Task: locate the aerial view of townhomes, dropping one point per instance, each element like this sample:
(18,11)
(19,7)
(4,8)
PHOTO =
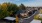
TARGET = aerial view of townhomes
(20,11)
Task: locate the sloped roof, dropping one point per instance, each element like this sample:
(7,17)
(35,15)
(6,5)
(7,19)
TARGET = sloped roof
(21,11)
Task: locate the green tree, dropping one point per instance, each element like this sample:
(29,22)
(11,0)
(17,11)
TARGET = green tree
(22,7)
(7,9)
(12,8)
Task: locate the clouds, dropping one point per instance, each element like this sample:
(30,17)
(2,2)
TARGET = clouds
(16,0)
(33,3)
(30,2)
(25,2)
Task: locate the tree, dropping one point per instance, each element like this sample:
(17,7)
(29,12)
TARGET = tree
(22,7)
(0,6)
(12,8)
(4,7)
(7,9)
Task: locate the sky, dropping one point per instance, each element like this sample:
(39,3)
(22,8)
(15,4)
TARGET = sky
(25,2)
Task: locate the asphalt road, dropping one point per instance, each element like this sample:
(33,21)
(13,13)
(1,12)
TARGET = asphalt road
(29,19)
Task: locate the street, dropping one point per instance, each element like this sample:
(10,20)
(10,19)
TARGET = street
(28,20)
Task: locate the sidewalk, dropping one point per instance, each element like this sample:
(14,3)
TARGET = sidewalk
(35,21)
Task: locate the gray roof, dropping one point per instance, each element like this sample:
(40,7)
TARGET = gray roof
(21,11)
